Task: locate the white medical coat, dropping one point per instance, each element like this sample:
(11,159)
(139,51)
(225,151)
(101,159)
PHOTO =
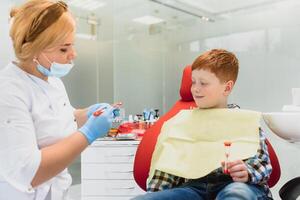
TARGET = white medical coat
(33,114)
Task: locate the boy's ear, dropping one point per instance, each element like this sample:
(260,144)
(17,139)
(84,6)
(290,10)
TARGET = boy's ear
(228,87)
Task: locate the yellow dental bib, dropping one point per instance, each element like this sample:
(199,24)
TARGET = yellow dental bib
(191,144)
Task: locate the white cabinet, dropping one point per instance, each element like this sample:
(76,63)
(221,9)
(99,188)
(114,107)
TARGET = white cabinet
(107,171)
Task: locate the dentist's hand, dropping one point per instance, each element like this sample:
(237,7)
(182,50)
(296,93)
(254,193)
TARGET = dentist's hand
(95,107)
(98,126)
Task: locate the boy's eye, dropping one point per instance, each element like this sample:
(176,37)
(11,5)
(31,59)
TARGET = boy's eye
(63,50)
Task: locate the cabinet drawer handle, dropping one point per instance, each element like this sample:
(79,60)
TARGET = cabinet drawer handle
(128,155)
(120,145)
(121,172)
(123,188)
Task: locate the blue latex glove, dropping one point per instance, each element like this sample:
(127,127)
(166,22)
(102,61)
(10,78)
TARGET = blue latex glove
(95,107)
(98,126)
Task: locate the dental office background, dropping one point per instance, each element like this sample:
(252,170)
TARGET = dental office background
(134,51)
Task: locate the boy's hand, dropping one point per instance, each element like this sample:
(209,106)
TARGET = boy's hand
(238,170)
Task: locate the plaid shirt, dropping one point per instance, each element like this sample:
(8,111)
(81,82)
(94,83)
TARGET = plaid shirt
(259,170)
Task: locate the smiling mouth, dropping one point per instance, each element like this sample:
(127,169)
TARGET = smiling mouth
(198,97)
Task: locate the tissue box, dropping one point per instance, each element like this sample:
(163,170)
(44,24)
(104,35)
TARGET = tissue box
(296,96)
(291,108)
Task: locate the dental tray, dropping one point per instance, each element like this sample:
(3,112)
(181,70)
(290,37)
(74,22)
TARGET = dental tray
(126,136)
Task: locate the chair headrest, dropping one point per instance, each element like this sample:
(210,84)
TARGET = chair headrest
(186,83)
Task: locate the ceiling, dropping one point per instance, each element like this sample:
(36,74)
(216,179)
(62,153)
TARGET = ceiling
(174,13)
(221,6)
(211,8)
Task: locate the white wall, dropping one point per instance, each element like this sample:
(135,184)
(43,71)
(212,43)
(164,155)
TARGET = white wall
(92,79)
(267,47)
(139,74)
(6,51)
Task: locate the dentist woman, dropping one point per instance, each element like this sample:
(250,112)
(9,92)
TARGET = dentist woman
(40,132)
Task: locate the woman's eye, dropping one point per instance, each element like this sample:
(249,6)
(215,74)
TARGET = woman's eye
(203,83)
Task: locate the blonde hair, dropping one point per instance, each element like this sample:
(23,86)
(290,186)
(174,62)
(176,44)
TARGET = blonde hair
(39,25)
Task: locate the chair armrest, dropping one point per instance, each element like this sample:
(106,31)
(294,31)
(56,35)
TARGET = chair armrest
(290,190)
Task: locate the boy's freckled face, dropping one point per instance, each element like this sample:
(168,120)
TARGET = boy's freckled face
(207,90)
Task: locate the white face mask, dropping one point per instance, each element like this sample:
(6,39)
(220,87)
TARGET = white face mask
(56,69)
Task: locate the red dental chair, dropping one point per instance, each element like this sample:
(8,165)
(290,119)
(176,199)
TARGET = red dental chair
(144,152)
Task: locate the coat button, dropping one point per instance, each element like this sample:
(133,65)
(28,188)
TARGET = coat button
(65,104)
(30,189)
